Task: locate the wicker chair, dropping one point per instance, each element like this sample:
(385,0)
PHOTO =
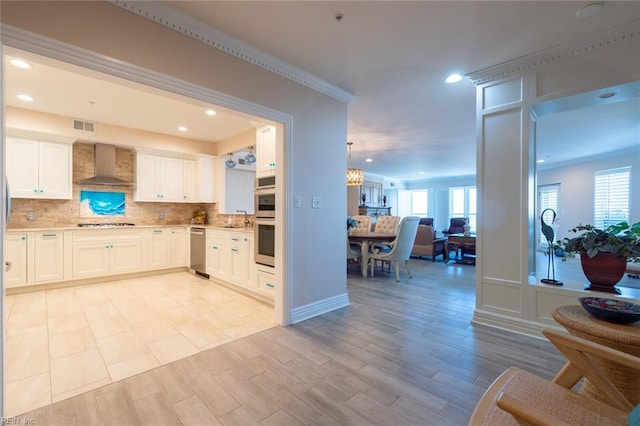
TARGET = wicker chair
(518,397)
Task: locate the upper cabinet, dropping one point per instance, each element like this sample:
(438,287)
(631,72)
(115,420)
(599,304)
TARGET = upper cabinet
(39,167)
(266,151)
(165,179)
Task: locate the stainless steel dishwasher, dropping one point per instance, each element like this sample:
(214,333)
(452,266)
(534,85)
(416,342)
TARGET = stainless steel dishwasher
(198,250)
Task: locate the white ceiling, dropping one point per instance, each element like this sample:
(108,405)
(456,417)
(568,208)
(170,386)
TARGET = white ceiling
(392,55)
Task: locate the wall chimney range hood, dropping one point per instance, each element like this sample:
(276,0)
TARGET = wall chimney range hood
(105,172)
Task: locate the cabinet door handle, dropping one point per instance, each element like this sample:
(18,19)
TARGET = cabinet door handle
(235,239)
(234,249)
(49,235)
(23,238)
(35,190)
(270,285)
(157,231)
(215,247)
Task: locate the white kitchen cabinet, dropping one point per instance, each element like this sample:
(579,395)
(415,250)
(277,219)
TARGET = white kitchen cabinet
(165,179)
(178,246)
(158,249)
(38,168)
(230,257)
(205,178)
(242,264)
(265,281)
(15,248)
(106,252)
(266,151)
(48,256)
(218,255)
(189,186)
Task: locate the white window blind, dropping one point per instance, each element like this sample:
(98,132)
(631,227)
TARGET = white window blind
(547,199)
(463,204)
(611,197)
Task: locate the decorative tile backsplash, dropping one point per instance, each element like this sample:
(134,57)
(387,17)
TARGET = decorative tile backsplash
(61,213)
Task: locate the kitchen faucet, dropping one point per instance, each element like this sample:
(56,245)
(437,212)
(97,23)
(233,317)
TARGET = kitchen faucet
(246,218)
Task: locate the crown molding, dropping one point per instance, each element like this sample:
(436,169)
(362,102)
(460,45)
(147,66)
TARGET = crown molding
(619,35)
(170,18)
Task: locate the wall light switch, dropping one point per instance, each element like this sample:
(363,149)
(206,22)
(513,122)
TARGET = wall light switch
(296,201)
(315,202)
(161,215)
(31,215)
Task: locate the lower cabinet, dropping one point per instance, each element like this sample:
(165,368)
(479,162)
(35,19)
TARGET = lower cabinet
(49,256)
(230,257)
(178,247)
(265,281)
(15,252)
(158,249)
(99,252)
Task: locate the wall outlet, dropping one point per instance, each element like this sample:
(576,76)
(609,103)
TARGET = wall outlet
(296,201)
(315,202)
(161,215)
(31,215)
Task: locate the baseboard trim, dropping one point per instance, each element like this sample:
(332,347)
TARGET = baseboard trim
(88,281)
(318,308)
(503,322)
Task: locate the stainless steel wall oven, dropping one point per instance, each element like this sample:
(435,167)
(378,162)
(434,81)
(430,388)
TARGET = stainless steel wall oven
(265,241)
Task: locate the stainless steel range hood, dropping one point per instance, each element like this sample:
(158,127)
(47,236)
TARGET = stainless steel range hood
(105,172)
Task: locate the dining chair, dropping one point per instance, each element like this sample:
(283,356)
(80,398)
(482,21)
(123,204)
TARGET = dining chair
(353,253)
(386,224)
(518,397)
(400,247)
(364,223)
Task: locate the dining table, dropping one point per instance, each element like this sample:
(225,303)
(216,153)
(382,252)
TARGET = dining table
(366,239)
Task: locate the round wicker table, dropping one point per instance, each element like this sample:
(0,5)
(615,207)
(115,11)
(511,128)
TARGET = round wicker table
(623,337)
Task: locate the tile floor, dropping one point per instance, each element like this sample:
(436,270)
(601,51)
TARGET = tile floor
(64,342)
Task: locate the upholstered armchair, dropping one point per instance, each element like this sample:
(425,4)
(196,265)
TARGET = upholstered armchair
(456,225)
(426,221)
(426,244)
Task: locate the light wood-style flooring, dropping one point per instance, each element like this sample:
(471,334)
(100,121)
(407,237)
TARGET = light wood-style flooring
(401,354)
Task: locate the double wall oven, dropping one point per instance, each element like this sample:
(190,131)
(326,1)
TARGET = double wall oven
(265,222)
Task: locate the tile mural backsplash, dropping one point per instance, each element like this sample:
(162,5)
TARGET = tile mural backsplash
(101,204)
(61,213)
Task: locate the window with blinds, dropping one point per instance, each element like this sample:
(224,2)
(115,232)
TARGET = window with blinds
(611,197)
(547,199)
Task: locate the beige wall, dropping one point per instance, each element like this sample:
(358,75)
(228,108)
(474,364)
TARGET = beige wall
(312,164)
(18,118)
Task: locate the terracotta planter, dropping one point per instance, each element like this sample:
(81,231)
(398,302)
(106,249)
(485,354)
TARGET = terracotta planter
(603,271)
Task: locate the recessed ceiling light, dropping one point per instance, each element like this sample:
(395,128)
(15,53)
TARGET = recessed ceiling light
(26,98)
(210,112)
(182,129)
(540,161)
(607,95)
(589,10)
(20,63)
(421,172)
(453,78)
(369,160)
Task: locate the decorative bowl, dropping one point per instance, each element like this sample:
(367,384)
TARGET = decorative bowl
(611,310)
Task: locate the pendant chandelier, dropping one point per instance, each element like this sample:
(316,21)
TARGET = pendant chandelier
(250,158)
(355,177)
(230,163)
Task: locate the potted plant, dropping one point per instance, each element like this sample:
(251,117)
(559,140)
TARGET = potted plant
(604,253)
(351,223)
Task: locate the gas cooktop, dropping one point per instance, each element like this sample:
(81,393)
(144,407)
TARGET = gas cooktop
(104,225)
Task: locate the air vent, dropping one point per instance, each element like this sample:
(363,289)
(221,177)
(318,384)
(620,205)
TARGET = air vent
(85,126)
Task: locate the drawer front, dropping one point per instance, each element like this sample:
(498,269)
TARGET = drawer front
(105,235)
